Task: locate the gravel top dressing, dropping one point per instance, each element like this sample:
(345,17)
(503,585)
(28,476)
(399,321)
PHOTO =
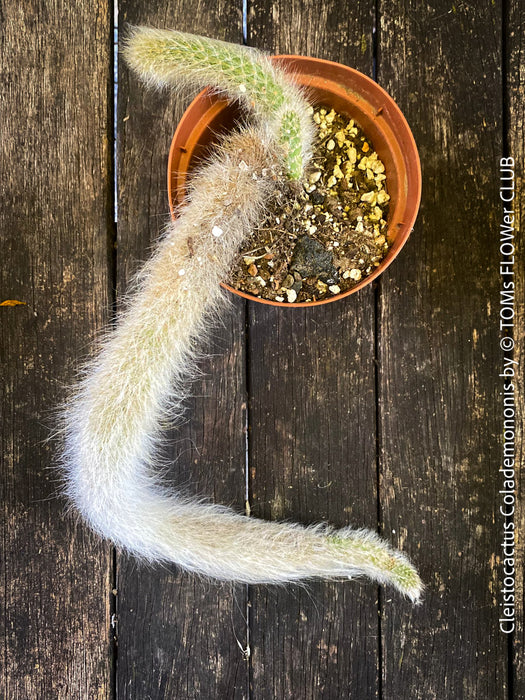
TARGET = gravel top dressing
(322,236)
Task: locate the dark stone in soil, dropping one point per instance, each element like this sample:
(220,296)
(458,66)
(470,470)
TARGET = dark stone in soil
(298,282)
(311,259)
(317,197)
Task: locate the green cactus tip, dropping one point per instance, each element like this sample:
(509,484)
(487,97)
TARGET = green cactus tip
(172,58)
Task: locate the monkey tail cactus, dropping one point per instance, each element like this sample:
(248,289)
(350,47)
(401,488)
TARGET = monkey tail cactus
(112,422)
(170,58)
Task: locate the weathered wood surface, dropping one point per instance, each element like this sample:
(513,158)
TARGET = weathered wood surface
(439,356)
(312,440)
(382,410)
(180,637)
(55,185)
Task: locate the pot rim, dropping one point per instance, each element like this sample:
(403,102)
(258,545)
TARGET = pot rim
(410,155)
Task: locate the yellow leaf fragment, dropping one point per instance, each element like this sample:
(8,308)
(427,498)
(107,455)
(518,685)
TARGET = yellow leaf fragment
(13,302)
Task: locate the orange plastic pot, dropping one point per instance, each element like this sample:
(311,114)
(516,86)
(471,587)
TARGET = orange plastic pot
(348,92)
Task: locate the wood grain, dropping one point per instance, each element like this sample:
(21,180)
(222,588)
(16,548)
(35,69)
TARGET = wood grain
(55,181)
(400,380)
(312,433)
(180,637)
(439,356)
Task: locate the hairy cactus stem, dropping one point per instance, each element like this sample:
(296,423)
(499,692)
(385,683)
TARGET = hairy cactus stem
(176,59)
(112,421)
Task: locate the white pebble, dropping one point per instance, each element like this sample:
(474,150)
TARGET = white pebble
(279,298)
(334,288)
(292,295)
(369,197)
(217,231)
(352,154)
(355,274)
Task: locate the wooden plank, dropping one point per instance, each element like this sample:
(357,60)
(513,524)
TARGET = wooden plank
(313,458)
(54,221)
(312,433)
(180,637)
(515,79)
(439,356)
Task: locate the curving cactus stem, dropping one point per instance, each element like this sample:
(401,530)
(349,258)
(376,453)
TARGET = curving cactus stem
(112,421)
(168,57)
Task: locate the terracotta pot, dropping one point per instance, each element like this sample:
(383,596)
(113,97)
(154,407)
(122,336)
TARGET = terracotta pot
(348,92)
